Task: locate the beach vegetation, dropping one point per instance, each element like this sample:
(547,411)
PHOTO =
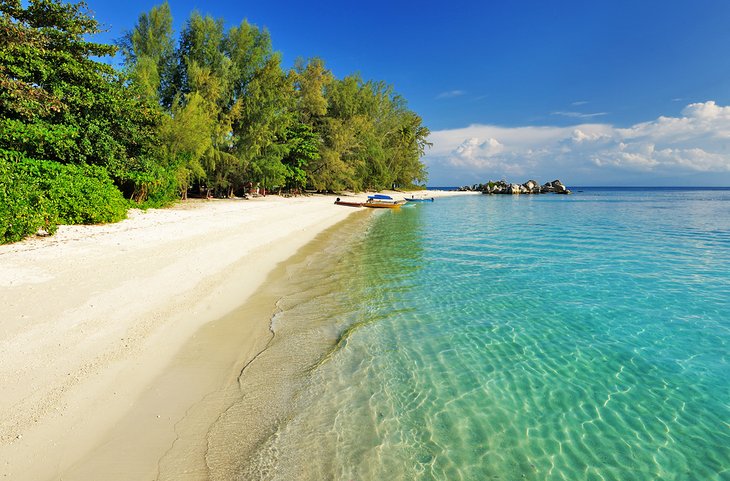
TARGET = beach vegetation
(209,111)
(38,195)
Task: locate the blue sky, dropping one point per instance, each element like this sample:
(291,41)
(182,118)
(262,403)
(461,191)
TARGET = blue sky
(593,92)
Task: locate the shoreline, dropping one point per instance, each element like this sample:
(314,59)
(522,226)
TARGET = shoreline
(96,314)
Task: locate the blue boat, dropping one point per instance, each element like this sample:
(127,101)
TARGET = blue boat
(381,201)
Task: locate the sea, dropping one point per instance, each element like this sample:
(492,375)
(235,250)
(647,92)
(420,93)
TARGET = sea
(543,337)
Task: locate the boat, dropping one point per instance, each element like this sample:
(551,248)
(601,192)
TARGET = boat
(348,204)
(382,201)
(381,205)
(419,199)
(380,197)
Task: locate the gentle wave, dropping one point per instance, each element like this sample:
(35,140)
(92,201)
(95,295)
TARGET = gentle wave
(547,338)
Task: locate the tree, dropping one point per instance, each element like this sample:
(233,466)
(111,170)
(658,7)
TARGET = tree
(149,53)
(304,149)
(186,137)
(58,102)
(311,80)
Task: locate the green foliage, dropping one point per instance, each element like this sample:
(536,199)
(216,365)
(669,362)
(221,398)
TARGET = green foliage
(216,112)
(304,148)
(22,206)
(370,139)
(149,54)
(40,194)
(298,129)
(311,80)
(57,102)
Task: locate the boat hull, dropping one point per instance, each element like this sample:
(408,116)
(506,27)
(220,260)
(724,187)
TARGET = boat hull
(349,204)
(381,205)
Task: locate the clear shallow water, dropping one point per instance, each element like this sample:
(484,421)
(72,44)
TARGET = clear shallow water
(512,338)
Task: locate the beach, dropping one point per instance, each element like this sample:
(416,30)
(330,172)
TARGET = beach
(112,334)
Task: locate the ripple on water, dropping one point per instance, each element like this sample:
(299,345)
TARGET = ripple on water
(571,338)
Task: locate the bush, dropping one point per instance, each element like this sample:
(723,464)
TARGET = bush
(82,194)
(22,208)
(40,194)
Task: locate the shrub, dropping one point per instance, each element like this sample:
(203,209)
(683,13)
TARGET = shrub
(40,194)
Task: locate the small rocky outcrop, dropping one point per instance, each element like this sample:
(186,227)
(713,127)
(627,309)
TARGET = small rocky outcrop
(555,186)
(529,187)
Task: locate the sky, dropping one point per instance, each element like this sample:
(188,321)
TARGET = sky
(593,92)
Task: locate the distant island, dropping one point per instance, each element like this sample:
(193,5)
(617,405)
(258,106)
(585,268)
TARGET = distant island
(529,187)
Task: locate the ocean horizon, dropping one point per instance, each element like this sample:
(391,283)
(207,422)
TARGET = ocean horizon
(617,187)
(542,337)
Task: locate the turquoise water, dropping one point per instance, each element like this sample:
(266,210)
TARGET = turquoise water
(581,337)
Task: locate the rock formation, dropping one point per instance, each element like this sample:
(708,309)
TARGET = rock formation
(529,187)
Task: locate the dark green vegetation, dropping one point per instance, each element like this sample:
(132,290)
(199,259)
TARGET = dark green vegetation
(210,111)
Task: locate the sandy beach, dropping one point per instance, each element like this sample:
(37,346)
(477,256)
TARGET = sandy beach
(111,334)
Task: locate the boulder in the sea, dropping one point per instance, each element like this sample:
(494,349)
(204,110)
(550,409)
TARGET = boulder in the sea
(531,187)
(559,187)
(547,188)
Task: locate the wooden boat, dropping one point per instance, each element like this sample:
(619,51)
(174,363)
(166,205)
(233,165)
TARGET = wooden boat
(381,205)
(381,201)
(419,199)
(348,204)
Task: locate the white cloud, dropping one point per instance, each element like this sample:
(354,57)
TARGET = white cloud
(472,150)
(450,94)
(579,115)
(670,148)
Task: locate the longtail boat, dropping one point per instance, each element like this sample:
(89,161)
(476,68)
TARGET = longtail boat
(419,199)
(348,204)
(381,201)
(381,205)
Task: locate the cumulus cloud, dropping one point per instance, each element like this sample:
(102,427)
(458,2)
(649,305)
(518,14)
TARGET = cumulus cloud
(473,152)
(697,142)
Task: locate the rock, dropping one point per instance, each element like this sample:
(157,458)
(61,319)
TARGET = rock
(532,187)
(559,187)
(529,187)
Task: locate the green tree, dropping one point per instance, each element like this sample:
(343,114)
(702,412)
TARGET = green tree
(370,138)
(186,136)
(58,102)
(261,128)
(304,146)
(149,54)
(311,80)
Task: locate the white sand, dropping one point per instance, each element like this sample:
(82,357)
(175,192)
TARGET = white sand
(93,317)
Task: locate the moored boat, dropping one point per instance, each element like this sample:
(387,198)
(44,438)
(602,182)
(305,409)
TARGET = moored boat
(382,201)
(381,205)
(348,204)
(419,199)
